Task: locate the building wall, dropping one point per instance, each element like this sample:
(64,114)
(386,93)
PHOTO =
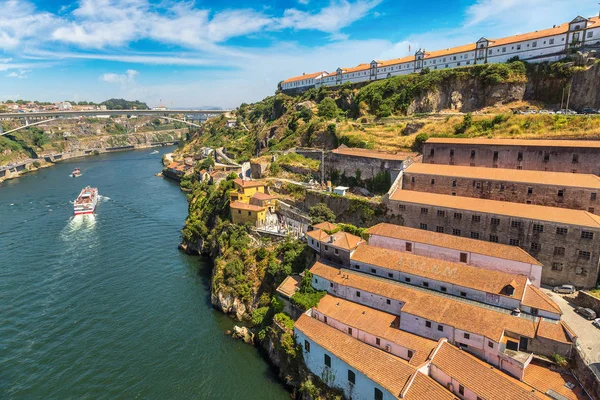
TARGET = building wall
(368,167)
(439,285)
(335,254)
(548,347)
(534,272)
(450,383)
(569,268)
(243,216)
(586,199)
(244,194)
(393,348)
(337,375)
(408,322)
(558,159)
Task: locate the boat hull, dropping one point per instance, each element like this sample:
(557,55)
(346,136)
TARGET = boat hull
(86,202)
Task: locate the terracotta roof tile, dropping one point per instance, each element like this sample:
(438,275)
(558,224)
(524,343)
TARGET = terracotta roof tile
(544,379)
(554,330)
(342,240)
(304,76)
(345,240)
(485,280)
(318,234)
(425,388)
(507,175)
(518,142)
(428,305)
(559,29)
(378,323)
(453,50)
(493,207)
(534,297)
(263,196)
(497,250)
(247,184)
(328,226)
(387,370)
(238,205)
(290,285)
(486,381)
(380,155)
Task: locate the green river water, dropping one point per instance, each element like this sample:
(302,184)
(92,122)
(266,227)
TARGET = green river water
(106,306)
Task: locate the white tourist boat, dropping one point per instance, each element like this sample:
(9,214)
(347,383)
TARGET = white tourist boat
(86,201)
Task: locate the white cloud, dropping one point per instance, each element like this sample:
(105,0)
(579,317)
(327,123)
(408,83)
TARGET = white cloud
(331,19)
(127,78)
(21,74)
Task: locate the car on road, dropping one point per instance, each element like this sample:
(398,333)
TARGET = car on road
(589,110)
(596,323)
(564,289)
(566,112)
(586,312)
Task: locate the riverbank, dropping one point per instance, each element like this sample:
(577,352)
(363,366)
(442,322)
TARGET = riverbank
(15,170)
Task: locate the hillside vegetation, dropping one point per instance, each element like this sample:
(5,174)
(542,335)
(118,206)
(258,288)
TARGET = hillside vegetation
(391,113)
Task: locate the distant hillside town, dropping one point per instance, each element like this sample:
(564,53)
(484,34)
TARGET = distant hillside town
(544,45)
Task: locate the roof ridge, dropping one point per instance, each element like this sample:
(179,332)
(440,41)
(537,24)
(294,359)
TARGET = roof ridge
(544,297)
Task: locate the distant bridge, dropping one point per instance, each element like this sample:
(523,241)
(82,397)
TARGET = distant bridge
(53,116)
(92,113)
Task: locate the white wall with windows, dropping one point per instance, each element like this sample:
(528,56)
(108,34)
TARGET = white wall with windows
(337,373)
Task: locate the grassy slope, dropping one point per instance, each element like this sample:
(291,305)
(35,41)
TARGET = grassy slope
(374,116)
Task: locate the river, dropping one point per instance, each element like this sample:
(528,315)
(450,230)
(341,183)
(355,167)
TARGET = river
(106,306)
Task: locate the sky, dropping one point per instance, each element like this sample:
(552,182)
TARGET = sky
(201,53)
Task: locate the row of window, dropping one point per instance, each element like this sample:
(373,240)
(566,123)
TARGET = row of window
(537,228)
(574,159)
(477,185)
(377,393)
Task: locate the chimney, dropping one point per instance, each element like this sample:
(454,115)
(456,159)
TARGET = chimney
(331,239)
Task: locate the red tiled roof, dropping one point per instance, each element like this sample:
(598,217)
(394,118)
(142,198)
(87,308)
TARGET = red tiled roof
(304,76)
(380,155)
(534,297)
(237,205)
(517,142)
(431,306)
(377,323)
(494,207)
(485,280)
(481,378)
(248,184)
(491,249)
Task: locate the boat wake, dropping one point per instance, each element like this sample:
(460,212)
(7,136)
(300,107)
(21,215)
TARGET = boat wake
(78,224)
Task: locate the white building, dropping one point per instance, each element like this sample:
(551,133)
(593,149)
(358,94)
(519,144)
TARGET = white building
(491,334)
(544,45)
(303,81)
(442,246)
(64,106)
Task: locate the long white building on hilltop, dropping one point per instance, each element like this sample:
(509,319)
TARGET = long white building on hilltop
(544,45)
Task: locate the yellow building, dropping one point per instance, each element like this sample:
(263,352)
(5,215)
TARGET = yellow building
(264,200)
(242,213)
(245,189)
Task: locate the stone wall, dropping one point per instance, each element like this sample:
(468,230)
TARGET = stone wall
(368,167)
(516,192)
(552,158)
(586,376)
(586,300)
(562,266)
(355,211)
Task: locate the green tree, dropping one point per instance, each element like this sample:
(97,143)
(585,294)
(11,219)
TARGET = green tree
(321,213)
(418,143)
(207,163)
(327,108)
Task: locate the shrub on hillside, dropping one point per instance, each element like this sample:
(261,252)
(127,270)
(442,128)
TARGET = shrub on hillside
(328,109)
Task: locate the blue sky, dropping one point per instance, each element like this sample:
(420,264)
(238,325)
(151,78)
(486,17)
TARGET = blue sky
(186,53)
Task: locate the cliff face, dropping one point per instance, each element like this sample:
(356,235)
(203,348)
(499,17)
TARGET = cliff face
(466,96)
